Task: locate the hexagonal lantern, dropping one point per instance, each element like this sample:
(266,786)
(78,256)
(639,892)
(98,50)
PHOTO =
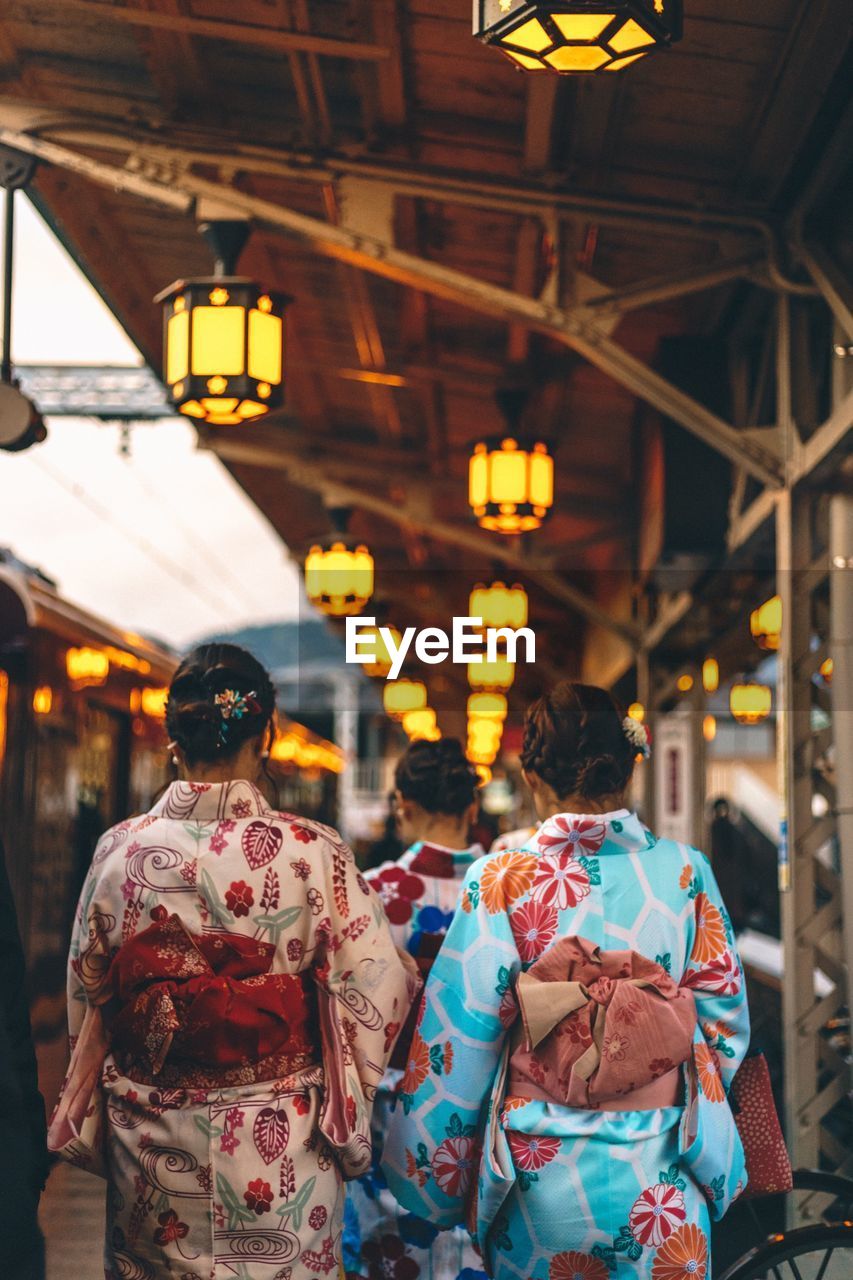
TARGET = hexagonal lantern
(577,36)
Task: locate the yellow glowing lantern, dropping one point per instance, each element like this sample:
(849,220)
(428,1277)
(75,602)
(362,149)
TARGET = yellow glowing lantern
(569,36)
(710,675)
(765,624)
(510,484)
(684,683)
(370,639)
(484,733)
(87,666)
(499,605)
(487,706)
(496,675)
(43,700)
(401,696)
(224,349)
(750,703)
(484,773)
(637,711)
(826,669)
(153,703)
(421,724)
(339,577)
(709,728)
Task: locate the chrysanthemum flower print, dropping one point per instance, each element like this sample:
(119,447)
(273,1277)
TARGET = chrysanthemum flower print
(578,836)
(572,1265)
(534,927)
(710,940)
(532,1151)
(417,1066)
(684,1256)
(453,1165)
(721,976)
(505,878)
(560,881)
(709,1073)
(657,1212)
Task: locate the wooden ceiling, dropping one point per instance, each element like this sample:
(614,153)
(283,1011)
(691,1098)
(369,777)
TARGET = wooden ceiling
(561,188)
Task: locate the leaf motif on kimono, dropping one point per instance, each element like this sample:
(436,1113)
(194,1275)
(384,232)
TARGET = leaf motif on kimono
(237,1211)
(592,868)
(218,909)
(607,1254)
(276,924)
(718,1186)
(271,1132)
(625,1243)
(454,1129)
(526,1180)
(295,1208)
(261,842)
(665,961)
(503,981)
(671,1177)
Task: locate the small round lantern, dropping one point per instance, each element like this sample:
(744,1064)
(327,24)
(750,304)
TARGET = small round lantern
(496,676)
(765,624)
(499,605)
(710,675)
(339,576)
(487,706)
(401,696)
(750,703)
(510,484)
(421,724)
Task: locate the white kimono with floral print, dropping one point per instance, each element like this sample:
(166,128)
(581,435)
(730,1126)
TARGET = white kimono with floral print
(238,1181)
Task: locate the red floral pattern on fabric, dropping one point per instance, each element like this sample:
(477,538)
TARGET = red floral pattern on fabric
(453,1165)
(387,1259)
(534,927)
(573,1265)
(531,1151)
(656,1213)
(683,1256)
(721,977)
(239,897)
(560,881)
(398,890)
(258,1196)
(578,836)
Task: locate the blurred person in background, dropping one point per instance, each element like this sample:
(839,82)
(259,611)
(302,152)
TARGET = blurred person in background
(24,1148)
(436,807)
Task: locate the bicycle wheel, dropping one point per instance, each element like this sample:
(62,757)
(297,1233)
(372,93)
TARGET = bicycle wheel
(822,1252)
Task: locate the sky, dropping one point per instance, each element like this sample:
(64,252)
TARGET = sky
(163,542)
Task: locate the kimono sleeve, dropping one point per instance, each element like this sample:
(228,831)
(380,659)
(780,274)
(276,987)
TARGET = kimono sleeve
(365,989)
(715,975)
(432,1148)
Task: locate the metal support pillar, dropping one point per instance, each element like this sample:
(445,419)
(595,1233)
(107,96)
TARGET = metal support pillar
(346,737)
(699,751)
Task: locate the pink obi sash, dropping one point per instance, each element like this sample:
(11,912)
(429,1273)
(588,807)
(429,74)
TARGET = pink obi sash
(603,1030)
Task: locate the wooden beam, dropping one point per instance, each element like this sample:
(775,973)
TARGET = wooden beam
(543,94)
(173,60)
(237,32)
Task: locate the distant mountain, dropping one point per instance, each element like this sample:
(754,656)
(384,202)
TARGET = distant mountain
(308,642)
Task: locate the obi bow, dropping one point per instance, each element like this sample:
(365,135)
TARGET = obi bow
(598,1025)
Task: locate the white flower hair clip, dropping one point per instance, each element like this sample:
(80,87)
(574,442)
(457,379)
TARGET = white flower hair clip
(638,735)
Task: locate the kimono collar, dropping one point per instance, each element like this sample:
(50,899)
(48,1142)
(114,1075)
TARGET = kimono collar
(210,801)
(429,859)
(589,834)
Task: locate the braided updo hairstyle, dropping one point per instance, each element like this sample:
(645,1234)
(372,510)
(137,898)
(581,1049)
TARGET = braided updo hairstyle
(193,718)
(574,741)
(437,776)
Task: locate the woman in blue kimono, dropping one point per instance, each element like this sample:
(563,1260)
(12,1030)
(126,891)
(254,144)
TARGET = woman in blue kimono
(436,805)
(591,1003)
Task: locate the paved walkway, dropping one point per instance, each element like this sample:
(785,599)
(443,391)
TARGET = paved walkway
(72,1219)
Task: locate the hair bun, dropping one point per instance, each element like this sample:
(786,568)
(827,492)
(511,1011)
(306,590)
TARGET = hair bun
(206,726)
(575,742)
(437,776)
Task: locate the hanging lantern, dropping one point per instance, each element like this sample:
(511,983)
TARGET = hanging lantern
(223,337)
(421,724)
(401,696)
(485,733)
(43,700)
(765,624)
(710,675)
(826,668)
(487,706)
(371,638)
(339,576)
(87,666)
(153,703)
(709,728)
(484,773)
(493,676)
(637,711)
(750,703)
(499,605)
(510,484)
(684,683)
(577,35)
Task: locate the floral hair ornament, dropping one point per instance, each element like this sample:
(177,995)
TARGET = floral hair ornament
(234,706)
(638,735)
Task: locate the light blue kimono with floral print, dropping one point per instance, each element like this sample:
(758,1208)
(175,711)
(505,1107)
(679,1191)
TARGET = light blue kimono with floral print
(552,1192)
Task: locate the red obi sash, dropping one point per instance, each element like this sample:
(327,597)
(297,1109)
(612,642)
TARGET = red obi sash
(602,1030)
(181,1009)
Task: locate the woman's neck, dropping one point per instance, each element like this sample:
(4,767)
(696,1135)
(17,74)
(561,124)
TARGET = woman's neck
(444,830)
(582,805)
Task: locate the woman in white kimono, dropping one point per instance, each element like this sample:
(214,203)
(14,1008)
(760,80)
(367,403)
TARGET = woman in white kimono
(241,979)
(591,1005)
(436,804)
